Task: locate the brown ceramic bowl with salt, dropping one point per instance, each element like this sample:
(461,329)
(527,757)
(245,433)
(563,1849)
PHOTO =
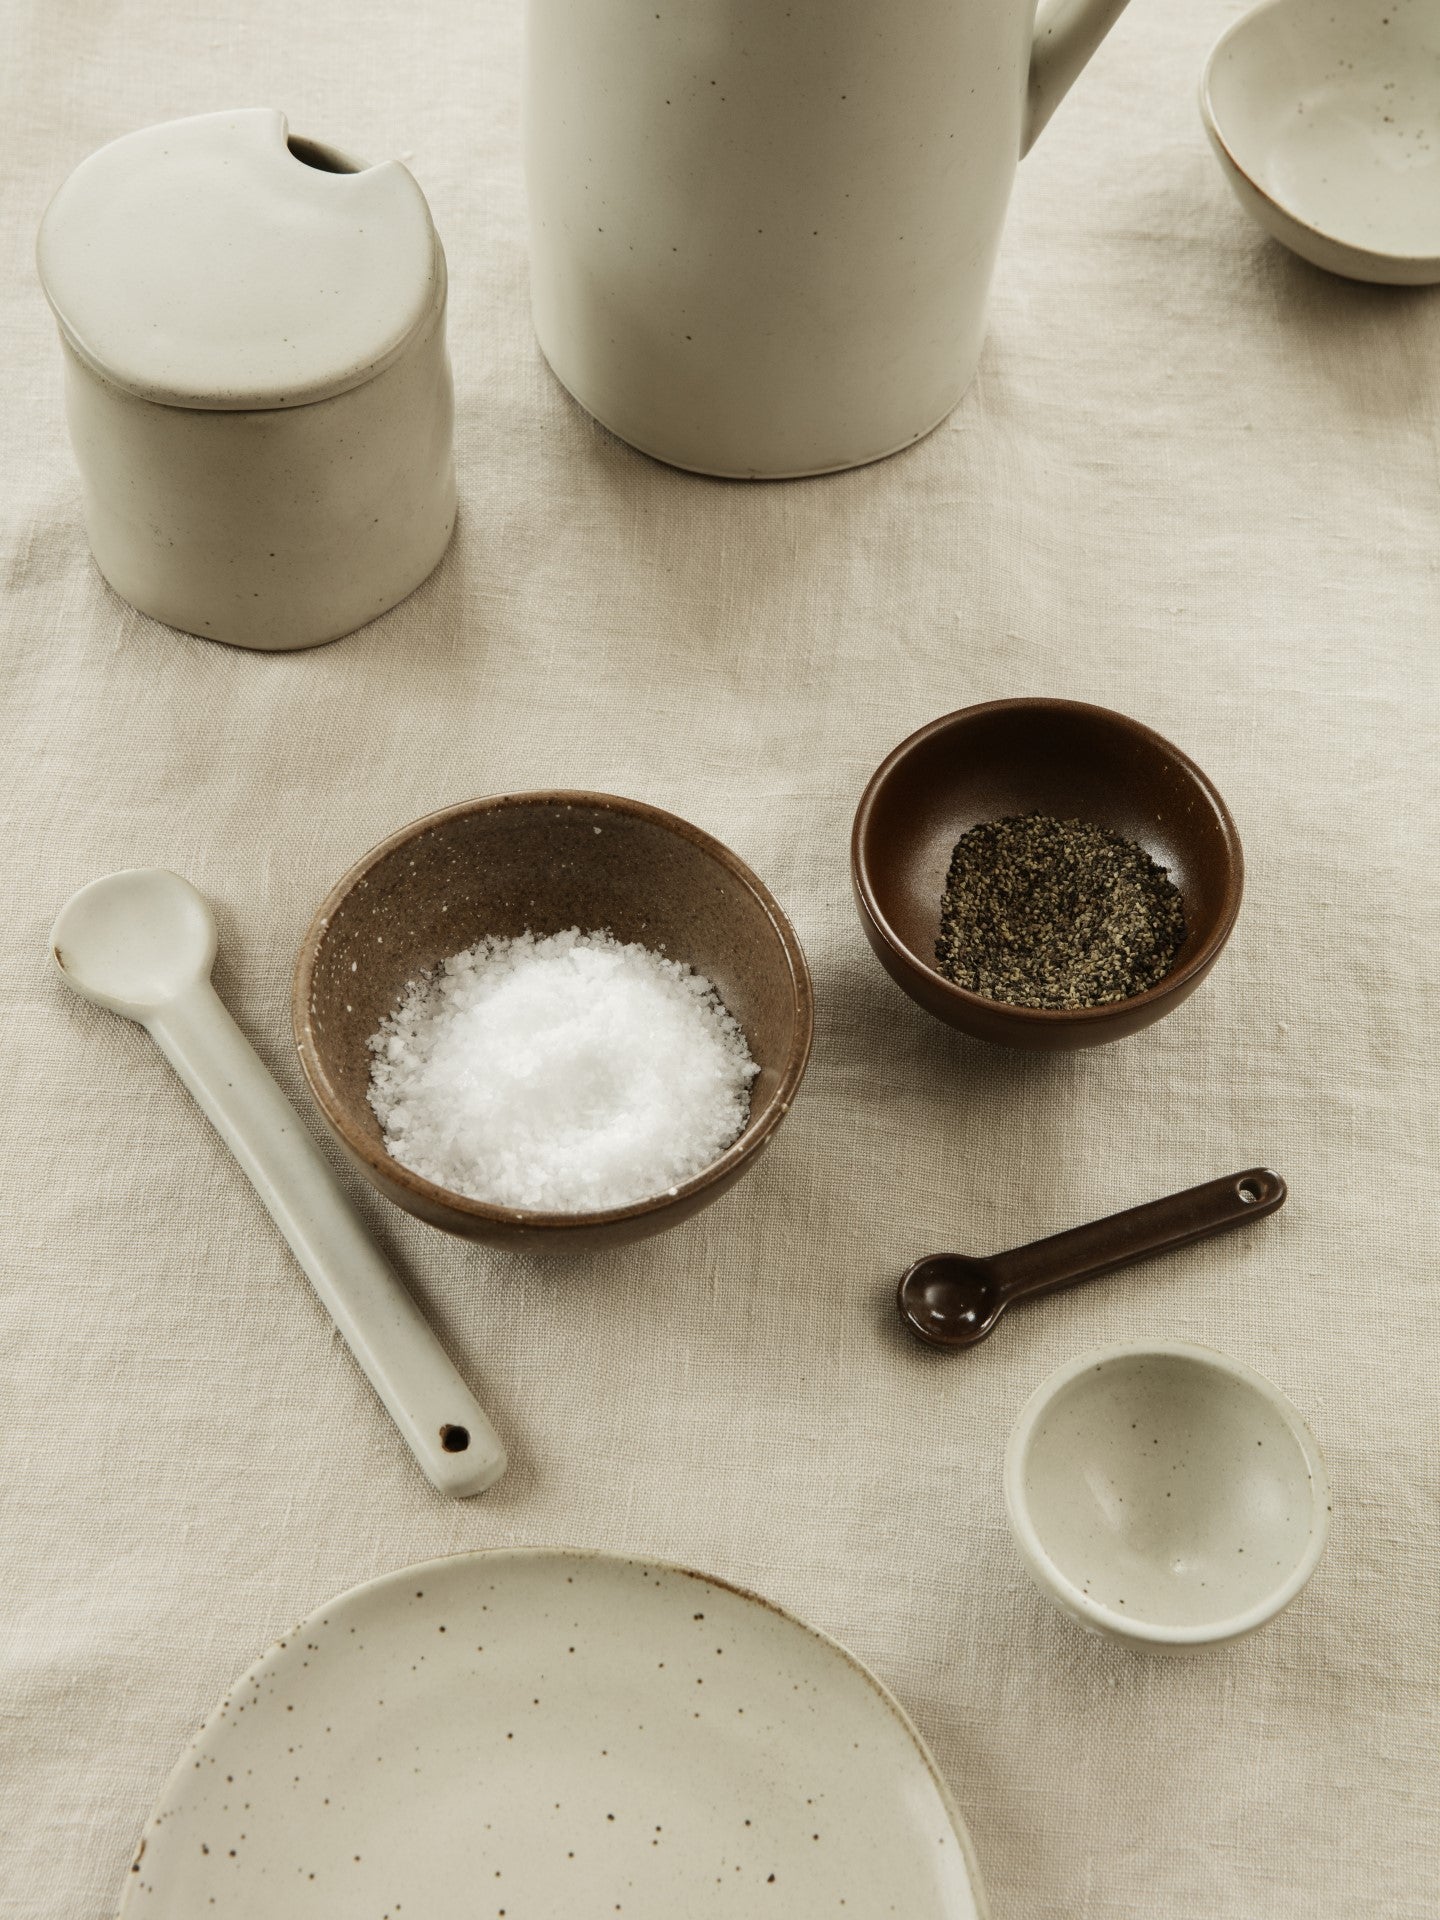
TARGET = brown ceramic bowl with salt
(1056,757)
(545,862)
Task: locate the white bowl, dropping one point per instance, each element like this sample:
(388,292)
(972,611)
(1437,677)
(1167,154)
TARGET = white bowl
(1325,115)
(1166,1496)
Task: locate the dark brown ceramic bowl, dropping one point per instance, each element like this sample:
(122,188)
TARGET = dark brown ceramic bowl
(1038,756)
(545,861)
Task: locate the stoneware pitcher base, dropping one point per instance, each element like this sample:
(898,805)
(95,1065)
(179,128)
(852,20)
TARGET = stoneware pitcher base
(713,472)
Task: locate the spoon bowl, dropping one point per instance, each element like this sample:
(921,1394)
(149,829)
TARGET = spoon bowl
(135,942)
(950,1300)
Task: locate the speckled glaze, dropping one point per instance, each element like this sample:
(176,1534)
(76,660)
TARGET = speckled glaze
(1061,757)
(257,382)
(532,1734)
(1325,116)
(544,862)
(1166,1496)
(762,236)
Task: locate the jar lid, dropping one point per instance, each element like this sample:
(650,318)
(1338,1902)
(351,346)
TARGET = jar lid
(217,263)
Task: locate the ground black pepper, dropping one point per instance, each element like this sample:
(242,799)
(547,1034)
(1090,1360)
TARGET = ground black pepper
(1041,912)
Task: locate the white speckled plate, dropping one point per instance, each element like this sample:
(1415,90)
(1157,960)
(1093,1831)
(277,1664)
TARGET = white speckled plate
(551,1735)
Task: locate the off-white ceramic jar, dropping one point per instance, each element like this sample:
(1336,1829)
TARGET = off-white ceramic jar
(257,381)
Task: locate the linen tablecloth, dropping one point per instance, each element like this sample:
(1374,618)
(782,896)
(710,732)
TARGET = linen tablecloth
(1195,480)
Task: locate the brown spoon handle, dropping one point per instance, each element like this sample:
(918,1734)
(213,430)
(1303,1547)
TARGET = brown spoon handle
(1102,1245)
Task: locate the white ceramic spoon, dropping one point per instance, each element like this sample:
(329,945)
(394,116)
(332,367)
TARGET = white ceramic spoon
(142,943)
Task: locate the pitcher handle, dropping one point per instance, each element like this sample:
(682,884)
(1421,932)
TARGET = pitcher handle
(1067,32)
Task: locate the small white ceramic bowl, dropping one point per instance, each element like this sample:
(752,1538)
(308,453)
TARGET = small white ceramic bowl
(1326,120)
(1166,1496)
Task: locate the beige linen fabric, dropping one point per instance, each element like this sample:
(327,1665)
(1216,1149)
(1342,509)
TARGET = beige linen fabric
(1195,480)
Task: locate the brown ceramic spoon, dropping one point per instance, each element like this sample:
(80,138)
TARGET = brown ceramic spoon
(952,1300)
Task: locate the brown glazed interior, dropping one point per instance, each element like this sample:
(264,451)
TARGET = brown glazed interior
(1057,757)
(545,862)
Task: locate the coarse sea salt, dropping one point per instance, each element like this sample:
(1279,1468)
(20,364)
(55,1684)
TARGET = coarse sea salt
(566,1074)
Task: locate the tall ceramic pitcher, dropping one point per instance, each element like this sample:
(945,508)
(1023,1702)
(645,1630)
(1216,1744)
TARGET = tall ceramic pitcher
(762,231)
